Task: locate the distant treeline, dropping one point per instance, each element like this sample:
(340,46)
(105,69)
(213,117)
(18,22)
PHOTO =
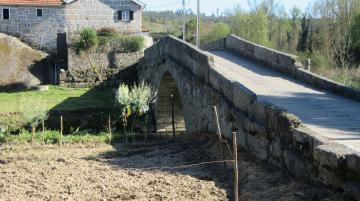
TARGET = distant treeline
(328,31)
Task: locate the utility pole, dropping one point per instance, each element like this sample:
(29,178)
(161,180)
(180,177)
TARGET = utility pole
(198,25)
(184,21)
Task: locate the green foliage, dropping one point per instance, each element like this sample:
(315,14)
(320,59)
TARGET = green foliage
(107,31)
(305,34)
(56,99)
(318,62)
(136,99)
(123,100)
(35,113)
(87,41)
(135,102)
(141,97)
(219,30)
(53,137)
(355,36)
(250,26)
(120,44)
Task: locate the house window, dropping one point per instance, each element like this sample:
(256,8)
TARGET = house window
(6,14)
(125,15)
(39,13)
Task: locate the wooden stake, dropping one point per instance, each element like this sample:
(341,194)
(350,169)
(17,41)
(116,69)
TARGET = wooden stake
(43,131)
(219,133)
(172,114)
(61,129)
(109,127)
(236,173)
(43,125)
(32,133)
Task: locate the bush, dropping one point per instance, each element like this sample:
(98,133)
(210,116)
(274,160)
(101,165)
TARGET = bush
(87,41)
(35,113)
(121,44)
(107,31)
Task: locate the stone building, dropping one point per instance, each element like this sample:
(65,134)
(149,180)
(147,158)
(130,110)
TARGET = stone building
(44,23)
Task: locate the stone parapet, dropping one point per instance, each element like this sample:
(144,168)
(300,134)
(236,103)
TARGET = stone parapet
(281,62)
(267,132)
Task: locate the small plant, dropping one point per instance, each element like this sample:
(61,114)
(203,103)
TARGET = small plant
(35,114)
(141,97)
(123,101)
(135,102)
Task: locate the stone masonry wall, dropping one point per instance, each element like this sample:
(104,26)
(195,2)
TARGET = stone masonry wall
(107,60)
(102,13)
(267,132)
(41,32)
(113,68)
(282,62)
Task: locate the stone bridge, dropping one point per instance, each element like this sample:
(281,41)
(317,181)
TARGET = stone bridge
(307,125)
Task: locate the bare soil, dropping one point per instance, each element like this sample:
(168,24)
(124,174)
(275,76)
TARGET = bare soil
(119,172)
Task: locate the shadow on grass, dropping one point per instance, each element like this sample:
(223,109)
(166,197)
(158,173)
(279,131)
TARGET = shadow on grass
(91,110)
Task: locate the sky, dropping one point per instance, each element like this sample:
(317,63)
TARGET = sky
(210,6)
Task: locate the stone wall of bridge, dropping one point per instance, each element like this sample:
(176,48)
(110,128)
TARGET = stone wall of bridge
(265,131)
(281,62)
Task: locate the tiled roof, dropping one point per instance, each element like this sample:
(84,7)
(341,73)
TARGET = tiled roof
(46,2)
(32,2)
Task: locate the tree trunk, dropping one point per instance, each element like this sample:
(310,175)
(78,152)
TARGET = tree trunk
(94,68)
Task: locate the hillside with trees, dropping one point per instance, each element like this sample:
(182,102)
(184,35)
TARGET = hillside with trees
(327,32)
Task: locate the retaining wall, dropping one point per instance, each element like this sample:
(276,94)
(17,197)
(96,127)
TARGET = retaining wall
(282,62)
(263,130)
(113,68)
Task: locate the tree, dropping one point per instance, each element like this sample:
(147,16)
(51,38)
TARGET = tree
(123,101)
(86,43)
(135,102)
(355,36)
(251,26)
(218,30)
(305,34)
(191,30)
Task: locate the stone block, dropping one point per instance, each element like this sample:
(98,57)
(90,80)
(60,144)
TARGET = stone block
(294,165)
(353,162)
(257,110)
(220,83)
(330,177)
(242,97)
(352,189)
(331,155)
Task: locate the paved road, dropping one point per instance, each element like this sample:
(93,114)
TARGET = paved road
(333,116)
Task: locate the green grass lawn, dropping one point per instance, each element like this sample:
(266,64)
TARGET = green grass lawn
(58,98)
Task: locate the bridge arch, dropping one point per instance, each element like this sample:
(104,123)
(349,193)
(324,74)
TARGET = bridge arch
(169,106)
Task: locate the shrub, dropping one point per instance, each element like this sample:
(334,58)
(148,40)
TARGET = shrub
(87,41)
(134,102)
(121,44)
(34,114)
(141,97)
(107,31)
